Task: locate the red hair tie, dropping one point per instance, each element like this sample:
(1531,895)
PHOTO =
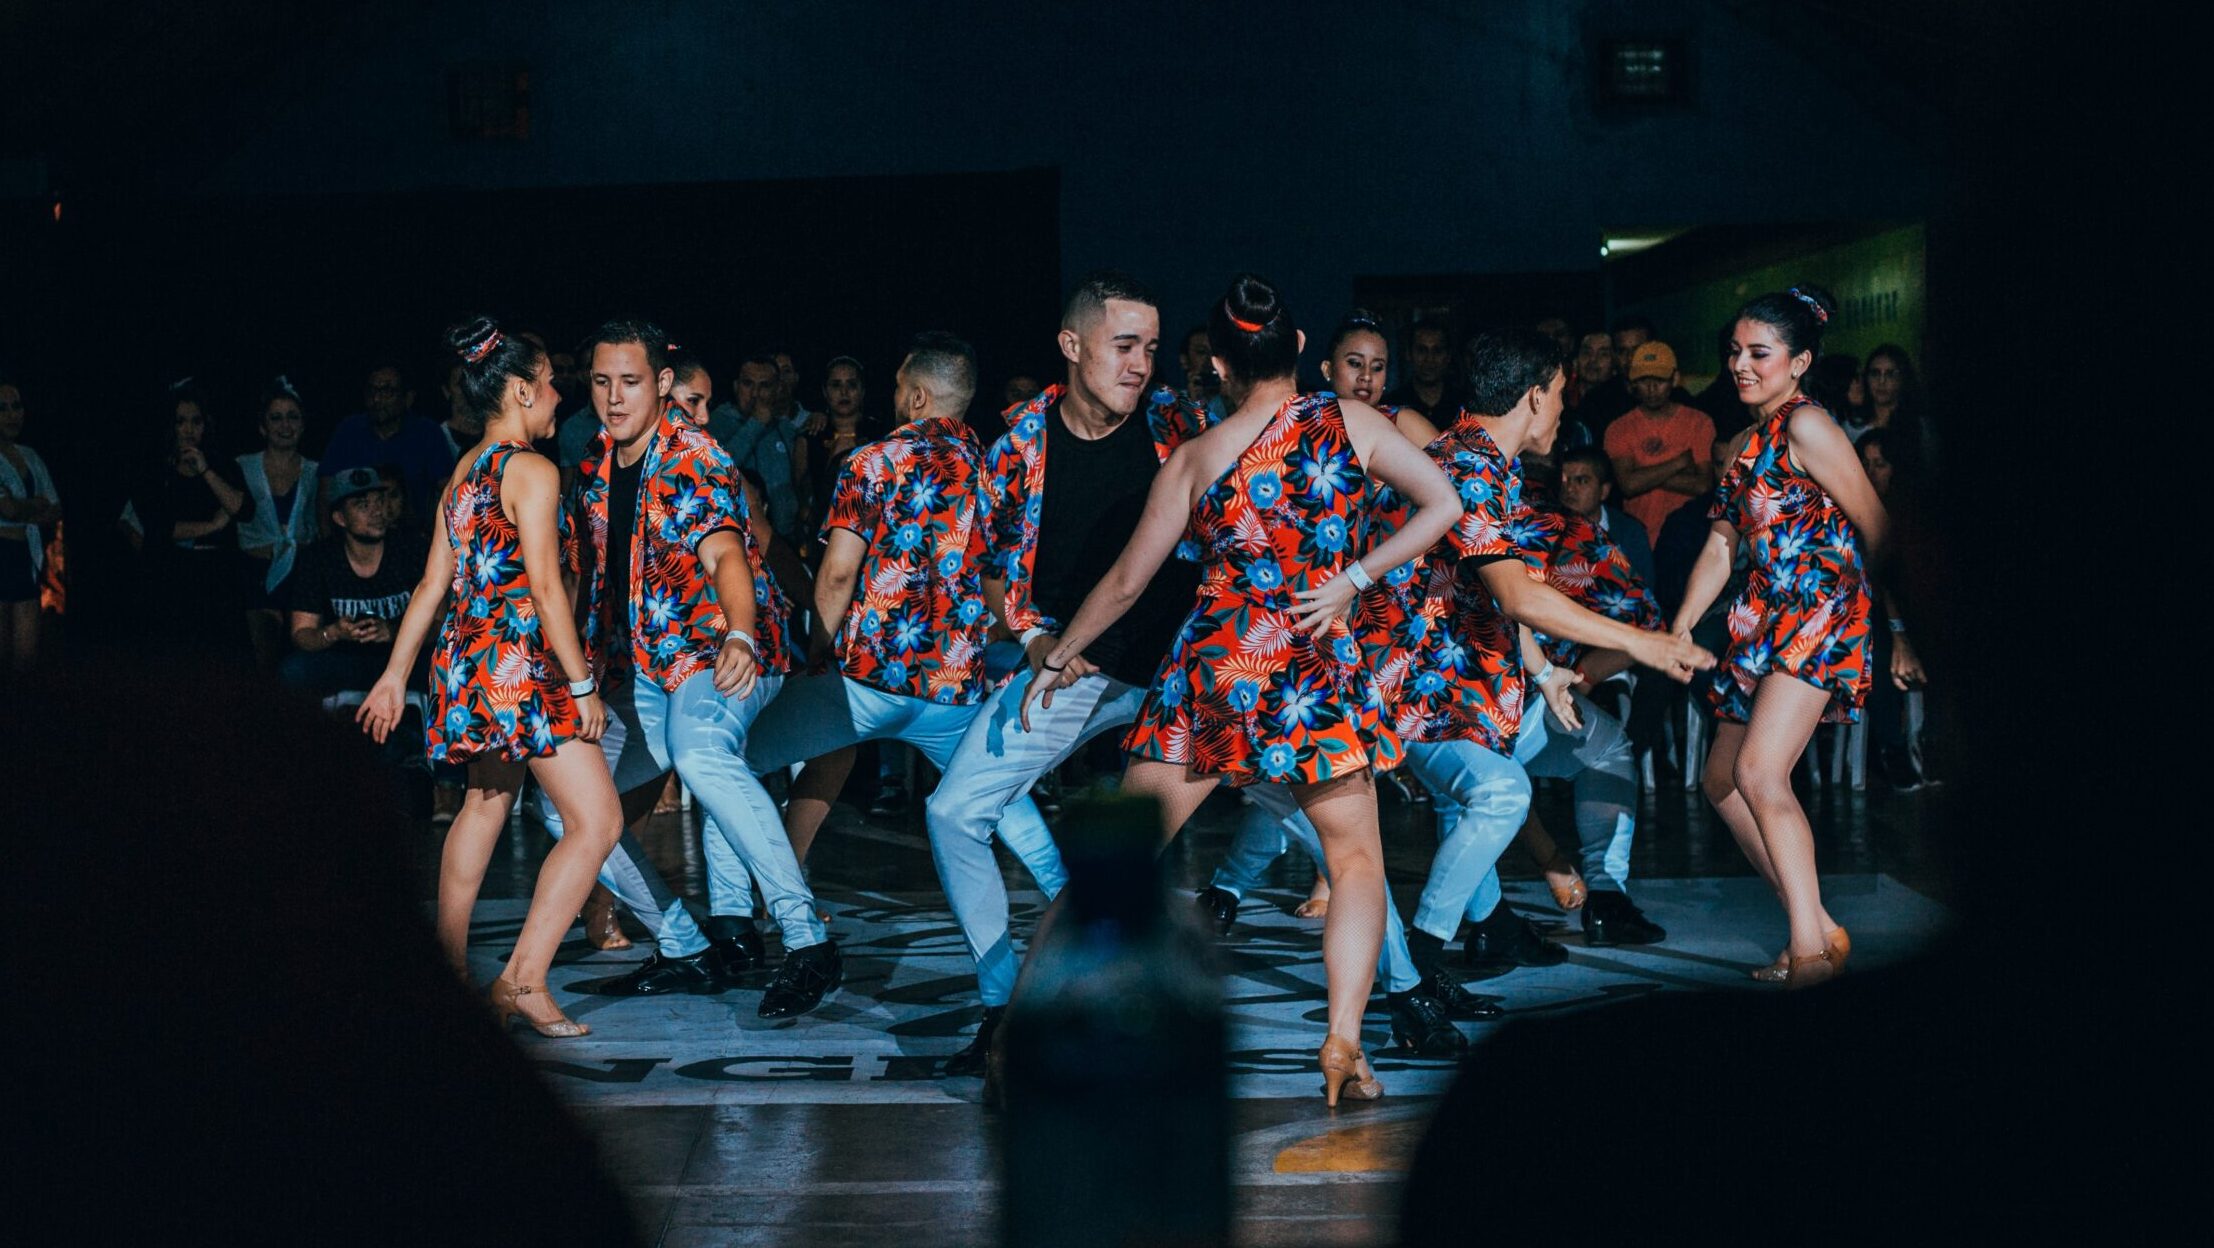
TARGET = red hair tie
(1251,327)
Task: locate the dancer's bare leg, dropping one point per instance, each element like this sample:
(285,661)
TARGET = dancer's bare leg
(1785,712)
(575,777)
(470,839)
(1344,814)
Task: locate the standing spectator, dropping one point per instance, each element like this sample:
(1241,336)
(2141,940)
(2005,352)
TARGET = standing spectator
(1020,389)
(1596,393)
(1719,400)
(1202,385)
(179,508)
(1663,452)
(1557,329)
(350,594)
(272,534)
(29,506)
(463,427)
(822,453)
(1893,405)
(789,408)
(388,432)
(763,441)
(1896,666)
(1427,388)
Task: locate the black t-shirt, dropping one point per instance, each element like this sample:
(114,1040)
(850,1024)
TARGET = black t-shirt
(326,584)
(1094,495)
(622,515)
(1446,409)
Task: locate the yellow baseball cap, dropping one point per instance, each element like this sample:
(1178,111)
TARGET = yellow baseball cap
(1654,359)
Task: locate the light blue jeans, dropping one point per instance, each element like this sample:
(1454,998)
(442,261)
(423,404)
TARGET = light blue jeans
(1481,800)
(703,736)
(824,712)
(993,768)
(1597,761)
(1394,964)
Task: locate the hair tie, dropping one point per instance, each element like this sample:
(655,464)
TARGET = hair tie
(284,386)
(485,348)
(1821,317)
(1251,327)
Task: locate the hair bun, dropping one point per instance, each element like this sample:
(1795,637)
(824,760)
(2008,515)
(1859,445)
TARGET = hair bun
(475,338)
(1818,301)
(1252,303)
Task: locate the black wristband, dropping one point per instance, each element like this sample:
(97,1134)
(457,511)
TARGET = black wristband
(1051,668)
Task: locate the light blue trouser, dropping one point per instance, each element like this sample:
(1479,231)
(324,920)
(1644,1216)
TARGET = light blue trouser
(994,767)
(1481,799)
(1259,841)
(825,712)
(1598,762)
(1394,964)
(703,736)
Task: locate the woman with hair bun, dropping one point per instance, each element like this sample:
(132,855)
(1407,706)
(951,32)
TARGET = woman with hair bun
(1795,490)
(510,685)
(1265,682)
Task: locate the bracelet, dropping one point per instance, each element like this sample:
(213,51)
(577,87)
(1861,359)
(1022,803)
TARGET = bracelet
(747,640)
(1897,625)
(1544,674)
(583,688)
(1357,574)
(1055,668)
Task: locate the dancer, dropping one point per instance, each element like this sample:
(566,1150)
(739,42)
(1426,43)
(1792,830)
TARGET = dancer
(1447,637)
(1799,645)
(1057,524)
(690,627)
(907,531)
(510,687)
(1265,681)
(28,504)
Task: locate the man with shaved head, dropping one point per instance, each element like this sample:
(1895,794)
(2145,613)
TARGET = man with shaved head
(901,589)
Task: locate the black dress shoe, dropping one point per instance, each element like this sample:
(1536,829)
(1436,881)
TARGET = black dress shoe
(1419,1023)
(970,1061)
(1459,1002)
(1507,940)
(807,975)
(1218,907)
(1611,918)
(662,976)
(729,957)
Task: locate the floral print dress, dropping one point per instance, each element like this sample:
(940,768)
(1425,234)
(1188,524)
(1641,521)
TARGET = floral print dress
(495,691)
(1242,693)
(1805,608)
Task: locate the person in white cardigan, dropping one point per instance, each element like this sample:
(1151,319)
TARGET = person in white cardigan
(280,524)
(29,508)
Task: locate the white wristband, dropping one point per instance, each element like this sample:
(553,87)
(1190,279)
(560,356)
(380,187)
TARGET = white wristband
(1031,634)
(744,639)
(1357,574)
(583,688)
(1544,674)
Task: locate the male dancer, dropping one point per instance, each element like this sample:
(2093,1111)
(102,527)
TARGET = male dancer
(689,625)
(908,528)
(1463,697)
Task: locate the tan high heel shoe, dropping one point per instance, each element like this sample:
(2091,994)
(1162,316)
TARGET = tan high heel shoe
(1806,972)
(506,997)
(601,930)
(1840,947)
(1570,895)
(1345,1068)
(1317,905)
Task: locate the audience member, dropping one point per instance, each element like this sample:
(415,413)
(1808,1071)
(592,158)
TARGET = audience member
(1020,389)
(175,517)
(350,593)
(1587,488)
(271,535)
(789,408)
(1897,665)
(822,453)
(763,441)
(29,507)
(692,388)
(1557,329)
(1596,393)
(1893,405)
(389,432)
(462,427)
(1429,388)
(1719,400)
(1202,384)
(1663,451)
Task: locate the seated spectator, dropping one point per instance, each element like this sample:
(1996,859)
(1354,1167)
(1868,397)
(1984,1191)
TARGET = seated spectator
(280,524)
(30,508)
(388,432)
(349,593)
(177,516)
(1587,488)
(1429,387)
(1663,451)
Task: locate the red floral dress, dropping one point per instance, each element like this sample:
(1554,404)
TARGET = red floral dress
(1805,608)
(1394,618)
(495,690)
(1242,694)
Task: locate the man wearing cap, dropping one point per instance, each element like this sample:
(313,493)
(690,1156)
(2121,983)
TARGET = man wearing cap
(348,595)
(1663,451)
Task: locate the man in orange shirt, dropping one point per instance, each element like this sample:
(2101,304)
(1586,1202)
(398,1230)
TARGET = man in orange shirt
(1663,452)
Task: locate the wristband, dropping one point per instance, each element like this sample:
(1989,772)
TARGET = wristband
(583,688)
(746,640)
(1357,574)
(1029,635)
(1544,674)
(1898,625)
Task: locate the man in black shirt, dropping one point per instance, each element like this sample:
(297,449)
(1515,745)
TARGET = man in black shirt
(348,595)
(1429,387)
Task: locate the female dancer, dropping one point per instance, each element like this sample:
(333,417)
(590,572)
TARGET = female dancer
(29,505)
(1265,681)
(1799,645)
(499,699)
(279,526)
